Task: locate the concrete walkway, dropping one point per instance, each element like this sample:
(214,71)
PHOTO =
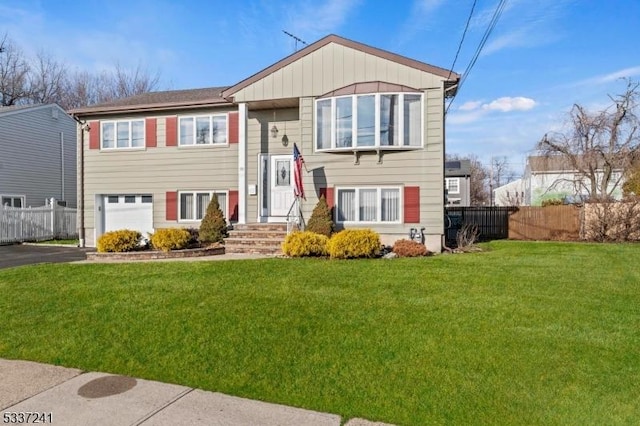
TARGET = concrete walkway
(68,396)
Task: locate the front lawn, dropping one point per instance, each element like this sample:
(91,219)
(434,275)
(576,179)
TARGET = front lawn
(526,333)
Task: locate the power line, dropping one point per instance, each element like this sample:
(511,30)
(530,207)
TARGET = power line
(466,27)
(492,24)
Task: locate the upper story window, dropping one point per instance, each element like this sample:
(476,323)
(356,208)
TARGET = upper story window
(453,185)
(122,134)
(203,130)
(369,121)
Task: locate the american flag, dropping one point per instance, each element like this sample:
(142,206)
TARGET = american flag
(298,190)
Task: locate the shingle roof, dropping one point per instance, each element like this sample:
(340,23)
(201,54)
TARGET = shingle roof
(171,99)
(457,168)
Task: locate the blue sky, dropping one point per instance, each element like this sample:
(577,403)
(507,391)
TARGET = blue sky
(543,55)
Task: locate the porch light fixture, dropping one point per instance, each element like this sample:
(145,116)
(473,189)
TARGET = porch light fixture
(274,131)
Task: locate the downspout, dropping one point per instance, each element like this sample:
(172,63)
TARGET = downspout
(80,191)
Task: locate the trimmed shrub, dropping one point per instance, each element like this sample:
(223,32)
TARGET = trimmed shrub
(170,239)
(320,221)
(408,248)
(306,243)
(213,228)
(119,241)
(354,243)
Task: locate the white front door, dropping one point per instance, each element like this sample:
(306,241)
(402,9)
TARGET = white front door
(281,185)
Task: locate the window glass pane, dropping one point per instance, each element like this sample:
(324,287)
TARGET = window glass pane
(389,120)
(323,126)
(202,202)
(412,120)
(390,211)
(137,133)
(368,205)
(186,206)
(203,130)
(366,120)
(129,199)
(344,120)
(220,129)
(186,131)
(346,205)
(108,135)
(222,201)
(123,134)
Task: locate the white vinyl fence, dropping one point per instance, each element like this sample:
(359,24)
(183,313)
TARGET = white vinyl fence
(36,224)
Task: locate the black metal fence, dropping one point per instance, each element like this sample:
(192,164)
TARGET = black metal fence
(492,222)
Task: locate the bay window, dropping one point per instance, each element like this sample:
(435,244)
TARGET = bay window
(368,205)
(369,121)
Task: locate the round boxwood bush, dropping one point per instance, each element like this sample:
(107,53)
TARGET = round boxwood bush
(301,244)
(167,239)
(354,243)
(119,241)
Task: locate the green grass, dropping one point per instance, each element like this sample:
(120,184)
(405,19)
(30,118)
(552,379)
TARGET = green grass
(66,242)
(525,333)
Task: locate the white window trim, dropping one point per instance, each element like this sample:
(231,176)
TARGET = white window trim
(203,191)
(115,135)
(354,123)
(22,198)
(204,145)
(379,199)
(455,180)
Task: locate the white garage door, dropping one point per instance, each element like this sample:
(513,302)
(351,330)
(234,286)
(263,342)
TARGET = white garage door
(133,212)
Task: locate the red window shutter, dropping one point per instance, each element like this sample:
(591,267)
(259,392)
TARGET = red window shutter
(233,127)
(172,131)
(233,206)
(328,196)
(172,205)
(94,135)
(412,204)
(150,132)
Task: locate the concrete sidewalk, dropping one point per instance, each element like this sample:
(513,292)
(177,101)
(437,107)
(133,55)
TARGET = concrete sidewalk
(73,397)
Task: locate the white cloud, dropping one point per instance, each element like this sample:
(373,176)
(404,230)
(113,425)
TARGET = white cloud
(470,105)
(507,104)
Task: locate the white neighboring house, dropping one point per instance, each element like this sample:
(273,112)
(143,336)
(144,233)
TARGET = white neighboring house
(37,155)
(550,178)
(511,194)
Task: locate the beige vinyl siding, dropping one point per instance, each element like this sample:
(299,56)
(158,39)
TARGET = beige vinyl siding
(155,171)
(331,67)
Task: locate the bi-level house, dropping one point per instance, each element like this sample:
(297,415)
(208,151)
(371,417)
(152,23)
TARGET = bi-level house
(368,123)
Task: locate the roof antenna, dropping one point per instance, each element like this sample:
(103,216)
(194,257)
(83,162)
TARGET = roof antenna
(297,39)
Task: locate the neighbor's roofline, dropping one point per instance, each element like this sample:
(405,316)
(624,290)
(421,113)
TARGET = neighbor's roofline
(332,38)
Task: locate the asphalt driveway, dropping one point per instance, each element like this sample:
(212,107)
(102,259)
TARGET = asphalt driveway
(27,254)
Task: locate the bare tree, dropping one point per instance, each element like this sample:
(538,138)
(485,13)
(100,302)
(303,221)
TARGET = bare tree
(597,145)
(14,73)
(48,80)
(479,178)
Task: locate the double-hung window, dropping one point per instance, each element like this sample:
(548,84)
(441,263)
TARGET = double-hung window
(368,205)
(369,121)
(203,130)
(453,185)
(122,134)
(193,204)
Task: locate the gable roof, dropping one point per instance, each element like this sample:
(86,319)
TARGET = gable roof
(450,77)
(165,100)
